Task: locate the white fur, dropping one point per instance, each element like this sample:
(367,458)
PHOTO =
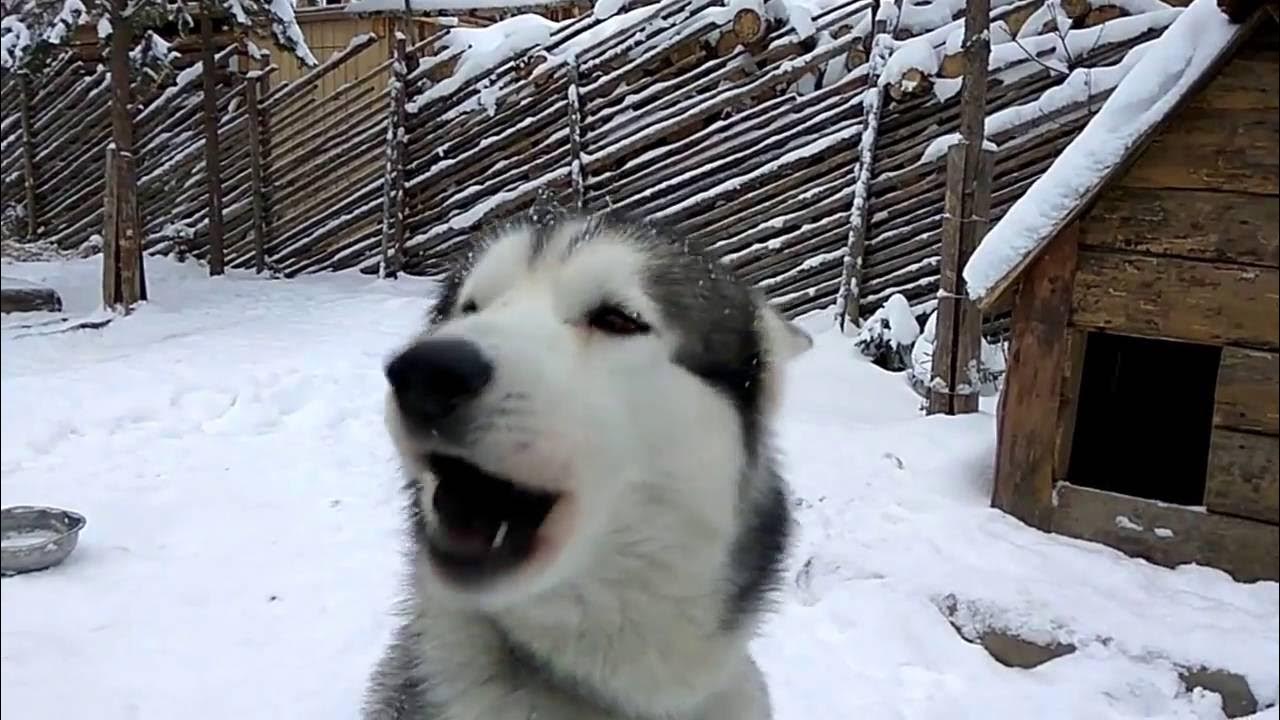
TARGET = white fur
(650,458)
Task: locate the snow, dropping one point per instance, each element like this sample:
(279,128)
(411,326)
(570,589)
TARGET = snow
(1124,523)
(15,41)
(70,15)
(1162,75)
(428,6)
(242,552)
(605,9)
(1082,84)
(285,27)
(916,53)
(483,48)
(17,283)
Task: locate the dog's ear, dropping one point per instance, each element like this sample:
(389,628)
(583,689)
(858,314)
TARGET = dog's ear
(785,339)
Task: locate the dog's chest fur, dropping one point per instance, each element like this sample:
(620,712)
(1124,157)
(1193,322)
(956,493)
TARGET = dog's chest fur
(624,646)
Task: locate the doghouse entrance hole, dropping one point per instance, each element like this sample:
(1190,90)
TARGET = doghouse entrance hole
(1144,417)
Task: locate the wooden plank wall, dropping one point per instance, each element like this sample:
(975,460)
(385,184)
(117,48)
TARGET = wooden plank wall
(1184,246)
(329,30)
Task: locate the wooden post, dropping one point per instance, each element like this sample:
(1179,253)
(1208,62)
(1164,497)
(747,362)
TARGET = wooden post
(958,344)
(393,212)
(576,173)
(124,282)
(123,277)
(213,180)
(110,237)
(28,155)
(254,122)
(1029,413)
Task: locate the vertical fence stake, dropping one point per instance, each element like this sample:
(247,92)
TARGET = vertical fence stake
(124,282)
(576,171)
(255,172)
(849,294)
(28,155)
(213,180)
(123,279)
(401,71)
(393,215)
(954,387)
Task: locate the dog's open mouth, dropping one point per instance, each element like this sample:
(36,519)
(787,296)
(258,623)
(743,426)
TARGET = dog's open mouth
(487,524)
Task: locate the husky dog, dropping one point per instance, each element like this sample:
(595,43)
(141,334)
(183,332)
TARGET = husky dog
(597,518)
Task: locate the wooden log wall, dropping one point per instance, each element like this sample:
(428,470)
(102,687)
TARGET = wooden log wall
(737,129)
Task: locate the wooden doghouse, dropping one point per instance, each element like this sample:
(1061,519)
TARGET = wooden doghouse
(1140,407)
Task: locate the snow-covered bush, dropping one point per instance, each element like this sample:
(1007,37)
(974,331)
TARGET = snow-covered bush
(31,26)
(887,336)
(991,364)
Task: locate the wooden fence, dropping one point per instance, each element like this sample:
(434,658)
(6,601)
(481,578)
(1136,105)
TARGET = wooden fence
(741,131)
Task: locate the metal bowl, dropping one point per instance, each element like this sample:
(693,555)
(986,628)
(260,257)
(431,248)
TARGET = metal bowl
(35,538)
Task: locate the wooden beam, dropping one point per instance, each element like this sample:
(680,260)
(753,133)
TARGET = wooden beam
(393,196)
(1068,401)
(1202,225)
(123,277)
(1244,475)
(749,26)
(1246,397)
(256,176)
(110,230)
(573,108)
(212,174)
(849,292)
(1038,354)
(1169,535)
(958,345)
(29,180)
(1178,299)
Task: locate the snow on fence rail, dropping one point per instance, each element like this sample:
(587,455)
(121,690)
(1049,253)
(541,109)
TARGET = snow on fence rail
(737,124)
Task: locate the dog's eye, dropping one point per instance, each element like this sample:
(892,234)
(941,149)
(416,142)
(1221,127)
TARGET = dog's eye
(467,307)
(614,320)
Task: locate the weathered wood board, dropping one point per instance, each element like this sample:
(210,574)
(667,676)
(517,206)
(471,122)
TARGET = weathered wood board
(1248,82)
(1038,349)
(1223,227)
(1169,535)
(1178,299)
(1244,475)
(1248,393)
(1068,399)
(1213,149)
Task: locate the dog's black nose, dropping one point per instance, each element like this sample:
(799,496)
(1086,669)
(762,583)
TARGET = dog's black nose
(434,377)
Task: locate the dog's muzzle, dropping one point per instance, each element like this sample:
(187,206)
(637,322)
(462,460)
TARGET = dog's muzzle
(433,378)
(483,525)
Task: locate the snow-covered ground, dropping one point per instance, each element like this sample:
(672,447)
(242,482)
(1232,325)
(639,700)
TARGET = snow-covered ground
(243,540)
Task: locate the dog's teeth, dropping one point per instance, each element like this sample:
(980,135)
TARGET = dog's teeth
(497,539)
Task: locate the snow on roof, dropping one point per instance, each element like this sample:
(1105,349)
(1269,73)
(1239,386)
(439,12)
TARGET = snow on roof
(1161,77)
(429,6)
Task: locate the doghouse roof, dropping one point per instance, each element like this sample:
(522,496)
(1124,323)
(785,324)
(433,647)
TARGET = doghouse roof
(1163,77)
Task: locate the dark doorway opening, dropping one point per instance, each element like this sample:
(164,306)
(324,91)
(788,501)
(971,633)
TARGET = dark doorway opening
(1144,417)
